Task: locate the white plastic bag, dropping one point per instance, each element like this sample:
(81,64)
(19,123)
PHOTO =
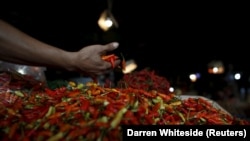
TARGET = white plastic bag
(36,72)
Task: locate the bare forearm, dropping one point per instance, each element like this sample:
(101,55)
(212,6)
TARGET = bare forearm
(18,47)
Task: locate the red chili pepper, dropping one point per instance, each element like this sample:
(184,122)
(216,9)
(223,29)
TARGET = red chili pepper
(148,119)
(74,93)
(166,97)
(107,57)
(112,61)
(123,63)
(110,58)
(84,104)
(156,107)
(50,92)
(93,111)
(13,129)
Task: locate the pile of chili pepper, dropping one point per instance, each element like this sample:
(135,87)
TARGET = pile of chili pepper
(91,112)
(145,79)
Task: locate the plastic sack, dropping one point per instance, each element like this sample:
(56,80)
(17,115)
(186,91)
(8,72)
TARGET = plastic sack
(34,71)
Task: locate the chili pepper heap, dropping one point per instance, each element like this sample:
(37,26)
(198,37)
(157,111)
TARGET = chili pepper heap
(145,79)
(92,112)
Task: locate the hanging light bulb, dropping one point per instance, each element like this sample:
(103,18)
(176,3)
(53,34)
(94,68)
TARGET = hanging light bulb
(107,20)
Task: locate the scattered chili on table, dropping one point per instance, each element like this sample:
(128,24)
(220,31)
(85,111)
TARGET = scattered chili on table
(93,112)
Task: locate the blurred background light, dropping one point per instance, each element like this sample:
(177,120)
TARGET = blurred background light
(107,20)
(193,77)
(171,89)
(216,67)
(237,76)
(130,66)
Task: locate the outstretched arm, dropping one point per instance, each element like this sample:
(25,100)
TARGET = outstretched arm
(18,47)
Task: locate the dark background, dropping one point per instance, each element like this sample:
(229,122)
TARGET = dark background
(174,39)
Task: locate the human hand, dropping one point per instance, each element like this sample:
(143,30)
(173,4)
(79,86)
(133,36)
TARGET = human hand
(18,47)
(88,60)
